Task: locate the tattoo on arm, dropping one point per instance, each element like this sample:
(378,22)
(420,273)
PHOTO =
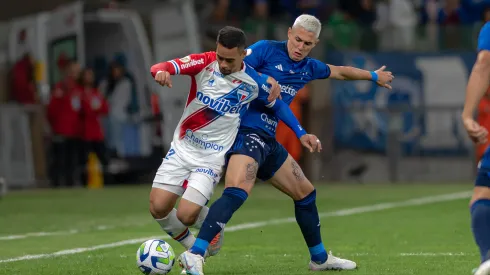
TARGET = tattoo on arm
(297,172)
(252,170)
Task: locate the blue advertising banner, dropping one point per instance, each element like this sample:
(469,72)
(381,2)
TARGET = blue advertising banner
(429,88)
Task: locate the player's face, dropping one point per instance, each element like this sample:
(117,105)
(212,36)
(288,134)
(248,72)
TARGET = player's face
(229,60)
(300,43)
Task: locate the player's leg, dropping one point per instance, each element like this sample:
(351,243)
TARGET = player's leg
(246,155)
(290,179)
(192,207)
(239,180)
(480,218)
(167,188)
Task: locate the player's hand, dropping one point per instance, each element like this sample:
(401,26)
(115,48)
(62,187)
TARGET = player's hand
(163,78)
(275,89)
(311,142)
(384,77)
(477,133)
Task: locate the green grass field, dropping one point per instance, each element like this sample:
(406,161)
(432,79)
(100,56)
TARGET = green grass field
(397,229)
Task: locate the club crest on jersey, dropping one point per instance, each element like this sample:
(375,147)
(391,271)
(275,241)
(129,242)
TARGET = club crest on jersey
(242,95)
(211,82)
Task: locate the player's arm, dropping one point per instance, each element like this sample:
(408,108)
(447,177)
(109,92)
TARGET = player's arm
(189,65)
(380,76)
(477,86)
(284,113)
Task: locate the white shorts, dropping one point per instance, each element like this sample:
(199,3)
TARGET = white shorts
(175,170)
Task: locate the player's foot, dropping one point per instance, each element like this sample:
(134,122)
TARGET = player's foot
(183,271)
(192,263)
(216,243)
(483,269)
(333,263)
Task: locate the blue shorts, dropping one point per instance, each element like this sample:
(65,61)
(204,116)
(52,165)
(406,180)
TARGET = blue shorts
(264,149)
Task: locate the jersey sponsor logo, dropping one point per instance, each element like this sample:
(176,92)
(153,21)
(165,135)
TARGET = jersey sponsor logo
(220,105)
(207,171)
(288,90)
(185,59)
(191,63)
(218,74)
(265,118)
(265,88)
(200,142)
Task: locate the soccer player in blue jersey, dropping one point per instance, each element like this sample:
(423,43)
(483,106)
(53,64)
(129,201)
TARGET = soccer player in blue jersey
(480,201)
(256,153)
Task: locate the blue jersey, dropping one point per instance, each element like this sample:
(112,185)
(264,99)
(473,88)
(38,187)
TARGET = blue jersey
(484,38)
(271,58)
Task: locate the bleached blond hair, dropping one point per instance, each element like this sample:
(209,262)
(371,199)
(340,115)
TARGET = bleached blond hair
(309,23)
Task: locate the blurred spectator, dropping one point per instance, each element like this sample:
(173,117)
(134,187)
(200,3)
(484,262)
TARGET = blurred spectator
(118,90)
(364,13)
(450,13)
(343,31)
(23,83)
(94,106)
(486,14)
(403,19)
(64,118)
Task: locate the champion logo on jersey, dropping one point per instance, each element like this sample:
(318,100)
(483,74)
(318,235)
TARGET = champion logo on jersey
(279,67)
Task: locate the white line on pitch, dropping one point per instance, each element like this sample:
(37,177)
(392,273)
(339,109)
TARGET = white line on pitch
(68,232)
(244,226)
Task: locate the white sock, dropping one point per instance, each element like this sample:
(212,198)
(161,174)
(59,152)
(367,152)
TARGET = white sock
(201,217)
(177,230)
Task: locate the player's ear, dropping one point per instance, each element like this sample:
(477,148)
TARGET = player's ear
(289,31)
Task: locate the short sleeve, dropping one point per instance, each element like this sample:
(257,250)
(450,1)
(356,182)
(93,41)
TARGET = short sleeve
(257,53)
(484,38)
(320,69)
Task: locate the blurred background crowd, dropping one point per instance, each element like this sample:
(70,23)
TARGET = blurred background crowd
(89,104)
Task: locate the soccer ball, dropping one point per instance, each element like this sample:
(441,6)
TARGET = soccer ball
(155,257)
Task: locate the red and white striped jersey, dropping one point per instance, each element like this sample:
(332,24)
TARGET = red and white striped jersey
(214,107)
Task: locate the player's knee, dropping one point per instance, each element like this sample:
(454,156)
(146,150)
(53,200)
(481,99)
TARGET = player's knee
(304,189)
(188,218)
(480,193)
(159,209)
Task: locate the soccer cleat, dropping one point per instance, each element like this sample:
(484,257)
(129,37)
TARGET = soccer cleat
(483,269)
(191,263)
(216,243)
(333,263)
(183,271)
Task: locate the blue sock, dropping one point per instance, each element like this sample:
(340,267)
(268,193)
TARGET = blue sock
(480,223)
(309,223)
(219,214)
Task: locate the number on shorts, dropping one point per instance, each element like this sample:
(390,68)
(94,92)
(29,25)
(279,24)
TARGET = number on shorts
(170,153)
